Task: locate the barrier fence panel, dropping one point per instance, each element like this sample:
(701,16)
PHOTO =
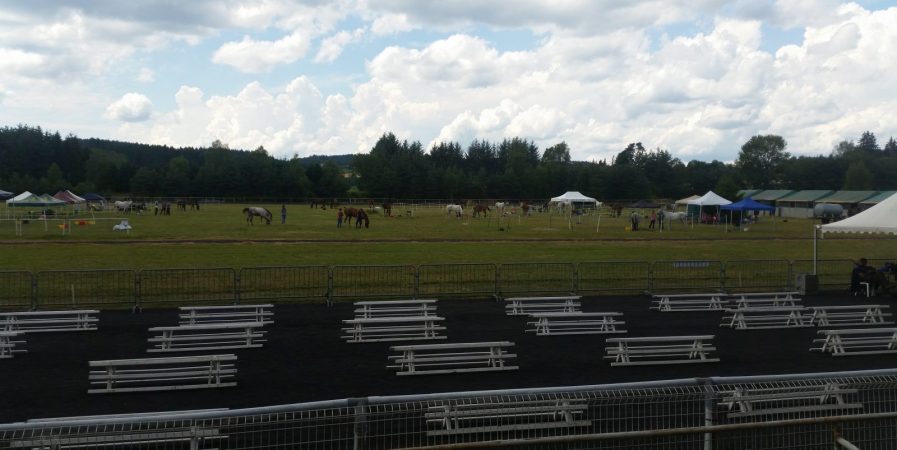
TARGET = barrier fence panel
(360,282)
(75,289)
(686,276)
(456,279)
(180,287)
(834,274)
(536,278)
(757,276)
(283,283)
(15,290)
(783,412)
(613,277)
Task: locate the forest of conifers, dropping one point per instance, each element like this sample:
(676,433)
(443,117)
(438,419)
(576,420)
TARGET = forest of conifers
(43,162)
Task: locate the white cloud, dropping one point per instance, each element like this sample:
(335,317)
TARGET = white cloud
(332,46)
(391,24)
(253,56)
(146,75)
(131,107)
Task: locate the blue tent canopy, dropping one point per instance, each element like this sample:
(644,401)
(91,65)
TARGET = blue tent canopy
(748,204)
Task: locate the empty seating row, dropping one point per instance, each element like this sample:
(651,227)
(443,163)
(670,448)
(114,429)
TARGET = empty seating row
(502,416)
(688,302)
(857,341)
(451,358)
(211,336)
(169,437)
(518,306)
(379,329)
(767,318)
(162,374)
(632,351)
(49,321)
(856,315)
(787,400)
(8,342)
(195,315)
(562,323)
(395,308)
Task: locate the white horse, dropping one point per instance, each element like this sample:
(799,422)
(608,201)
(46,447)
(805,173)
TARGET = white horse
(499,205)
(257,211)
(123,206)
(670,216)
(457,209)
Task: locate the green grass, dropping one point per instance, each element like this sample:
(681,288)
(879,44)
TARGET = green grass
(218,236)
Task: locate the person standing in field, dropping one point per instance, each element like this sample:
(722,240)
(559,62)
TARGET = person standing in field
(339,218)
(653,220)
(283,214)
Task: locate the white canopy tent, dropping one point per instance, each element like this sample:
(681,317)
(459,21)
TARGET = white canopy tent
(684,201)
(877,219)
(571,197)
(709,199)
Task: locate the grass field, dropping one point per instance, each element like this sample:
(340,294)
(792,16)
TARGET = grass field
(218,236)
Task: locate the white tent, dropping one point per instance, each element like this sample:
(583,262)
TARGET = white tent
(574,197)
(684,201)
(709,199)
(4,194)
(877,219)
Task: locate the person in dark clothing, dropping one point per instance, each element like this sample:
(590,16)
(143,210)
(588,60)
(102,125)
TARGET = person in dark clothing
(864,273)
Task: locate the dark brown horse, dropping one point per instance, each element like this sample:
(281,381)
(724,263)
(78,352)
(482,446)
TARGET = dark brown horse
(387,209)
(362,216)
(480,208)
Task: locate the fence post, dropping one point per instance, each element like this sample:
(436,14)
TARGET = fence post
(708,411)
(497,293)
(651,278)
(330,286)
(359,430)
(575,275)
(33,291)
(791,284)
(415,290)
(237,287)
(722,275)
(136,308)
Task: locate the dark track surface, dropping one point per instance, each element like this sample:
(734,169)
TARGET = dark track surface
(305,359)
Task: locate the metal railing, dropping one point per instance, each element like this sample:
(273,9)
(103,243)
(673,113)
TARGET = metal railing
(696,413)
(54,289)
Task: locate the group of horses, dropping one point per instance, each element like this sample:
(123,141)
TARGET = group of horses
(358,214)
(159,208)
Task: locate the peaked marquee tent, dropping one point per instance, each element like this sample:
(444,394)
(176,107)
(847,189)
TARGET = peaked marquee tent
(28,199)
(877,219)
(4,194)
(68,197)
(709,199)
(572,197)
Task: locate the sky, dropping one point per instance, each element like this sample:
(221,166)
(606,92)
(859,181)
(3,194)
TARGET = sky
(697,78)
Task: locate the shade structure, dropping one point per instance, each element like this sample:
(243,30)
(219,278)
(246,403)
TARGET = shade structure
(710,199)
(572,197)
(684,201)
(747,204)
(5,194)
(68,197)
(28,199)
(877,219)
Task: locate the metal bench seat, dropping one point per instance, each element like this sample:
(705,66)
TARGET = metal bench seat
(196,315)
(660,350)
(787,400)
(451,358)
(49,321)
(512,416)
(555,324)
(162,374)
(210,336)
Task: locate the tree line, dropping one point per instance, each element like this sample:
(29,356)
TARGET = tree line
(40,161)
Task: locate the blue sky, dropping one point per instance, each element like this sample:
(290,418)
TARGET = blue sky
(302,77)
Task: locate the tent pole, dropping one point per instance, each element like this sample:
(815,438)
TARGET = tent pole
(815,245)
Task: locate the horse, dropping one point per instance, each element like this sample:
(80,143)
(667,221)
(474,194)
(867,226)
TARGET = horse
(182,205)
(123,206)
(669,216)
(351,213)
(456,209)
(258,211)
(362,216)
(526,208)
(387,209)
(480,208)
(499,205)
(616,209)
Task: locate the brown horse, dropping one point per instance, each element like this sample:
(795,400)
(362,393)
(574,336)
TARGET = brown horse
(362,216)
(350,214)
(387,209)
(526,208)
(480,208)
